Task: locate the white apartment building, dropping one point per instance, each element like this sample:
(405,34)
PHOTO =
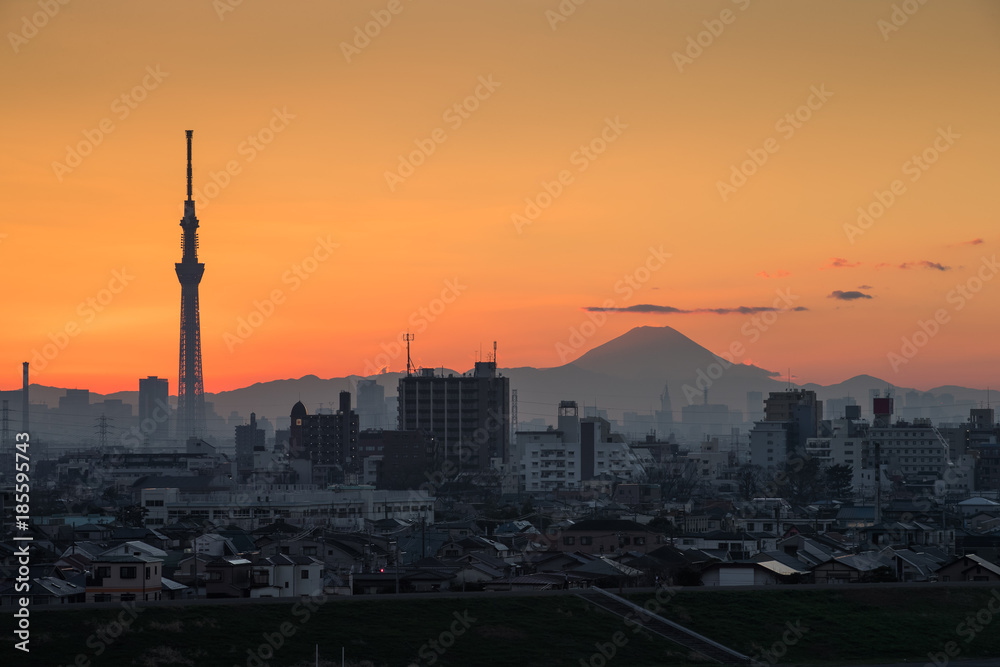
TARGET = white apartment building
(578,450)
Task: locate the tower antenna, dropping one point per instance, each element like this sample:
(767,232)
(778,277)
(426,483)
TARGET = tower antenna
(189,133)
(409,362)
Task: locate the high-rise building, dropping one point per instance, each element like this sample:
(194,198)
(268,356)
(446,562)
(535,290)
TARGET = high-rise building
(371,405)
(190,384)
(249,439)
(329,442)
(468,415)
(154,409)
(800,408)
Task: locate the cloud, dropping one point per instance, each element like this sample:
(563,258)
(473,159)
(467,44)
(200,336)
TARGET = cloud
(922,264)
(670,310)
(973,242)
(864,286)
(840,263)
(848,296)
(780,273)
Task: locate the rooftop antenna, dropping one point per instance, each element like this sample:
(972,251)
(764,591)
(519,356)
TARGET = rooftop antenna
(494,353)
(409,362)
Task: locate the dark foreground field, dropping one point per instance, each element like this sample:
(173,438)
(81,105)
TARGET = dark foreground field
(787,625)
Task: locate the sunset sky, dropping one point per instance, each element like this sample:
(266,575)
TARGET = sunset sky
(483,171)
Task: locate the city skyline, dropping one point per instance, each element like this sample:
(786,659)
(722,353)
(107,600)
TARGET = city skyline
(811,184)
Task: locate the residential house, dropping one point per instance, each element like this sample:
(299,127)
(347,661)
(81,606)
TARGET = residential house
(969,568)
(125,578)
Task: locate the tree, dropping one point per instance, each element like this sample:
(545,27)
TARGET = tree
(839,480)
(748,478)
(132,516)
(804,481)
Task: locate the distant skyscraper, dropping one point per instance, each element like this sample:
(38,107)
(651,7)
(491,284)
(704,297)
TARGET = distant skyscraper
(190,385)
(249,439)
(371,405)
(154,408)
(665,415)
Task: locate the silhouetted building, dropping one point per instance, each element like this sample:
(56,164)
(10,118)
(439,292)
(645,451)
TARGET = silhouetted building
(371,405)
(798,407)
(328,441)
(468,415)
(249,439)
(154,409)
(404,459)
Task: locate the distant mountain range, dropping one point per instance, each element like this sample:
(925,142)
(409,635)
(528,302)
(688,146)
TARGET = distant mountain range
(628,373)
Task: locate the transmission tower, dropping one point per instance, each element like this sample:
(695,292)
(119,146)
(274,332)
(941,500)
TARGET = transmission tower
(102,429)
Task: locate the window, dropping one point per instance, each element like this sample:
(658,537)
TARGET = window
(128,597)
(148,573)
(586,540)
(305,574)
(127,572)
(104,571)
(102,597)
(569,541)
(640,541)
(308,551)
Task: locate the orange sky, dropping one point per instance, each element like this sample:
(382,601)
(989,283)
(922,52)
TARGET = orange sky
(329,130)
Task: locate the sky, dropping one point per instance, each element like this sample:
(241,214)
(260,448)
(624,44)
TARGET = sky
(814,181)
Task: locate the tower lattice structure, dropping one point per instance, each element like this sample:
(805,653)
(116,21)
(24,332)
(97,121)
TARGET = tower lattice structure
(190,386)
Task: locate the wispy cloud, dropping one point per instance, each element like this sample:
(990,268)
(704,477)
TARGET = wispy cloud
(973,242)
(864,286)
(849,295)
(670,310)
(922,264)
(839,263)
(780,273)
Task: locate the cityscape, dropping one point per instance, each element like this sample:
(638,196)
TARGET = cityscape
(428,402)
